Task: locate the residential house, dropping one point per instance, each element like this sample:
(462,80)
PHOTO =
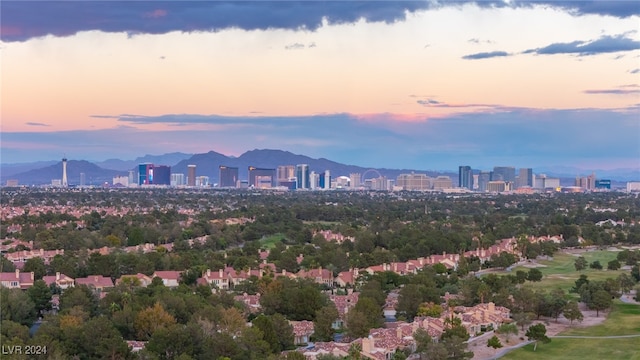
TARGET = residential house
(17,280)
(61,280)
(142,279)
(169,278)
(302,331)
(96,282)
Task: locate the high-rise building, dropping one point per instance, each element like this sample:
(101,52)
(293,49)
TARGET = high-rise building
(483,179)
(525,177)
(228,176)
(64,172)
(442,182)
(132,178)
(504,173)
(177,179)
(354,180)
(121,181)
(302,176)
(162,175)
(83,179)
(202,181)
(603,184)
(258,177)
(414,181)
(145,174)
(314,180)
(465,177)
(498,186)
(191,175)
(325,180)
(150,174)
(286,173)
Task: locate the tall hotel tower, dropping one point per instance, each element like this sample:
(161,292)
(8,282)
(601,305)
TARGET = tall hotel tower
(465,177)
(64,172)
(191,175)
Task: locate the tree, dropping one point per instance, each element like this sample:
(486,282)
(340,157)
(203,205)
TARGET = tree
(151,319)
(357,324)
(35,265)
(430,309)
(572,312)
(454,328)
(494,342)
(507,330)
(372,311)
(41,295)
(456,348)
(537,333)
(483,291)
(534,275)
(16,306)
(323,330)
(596,265)
(626,282)
(580,263)
(600,300)
(523,319)
(613,265)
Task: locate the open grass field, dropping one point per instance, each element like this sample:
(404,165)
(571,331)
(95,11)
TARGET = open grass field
(561,273)
(624,319)
(583,349)
(269,242)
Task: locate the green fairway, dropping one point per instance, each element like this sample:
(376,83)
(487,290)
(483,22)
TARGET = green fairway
(561,273)
(584,349)
(624,319)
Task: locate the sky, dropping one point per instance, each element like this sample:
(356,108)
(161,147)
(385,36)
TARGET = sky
(406,84)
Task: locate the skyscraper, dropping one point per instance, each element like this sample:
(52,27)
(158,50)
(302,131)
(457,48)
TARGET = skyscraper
(483,179)
(286,173)
(504,173)
(228,176)
(258,177)
(302,175)
(191,175)
(83,178)
(465,177)
(162,175)
(354,180)
(145,174)
(525,177)
(64,172)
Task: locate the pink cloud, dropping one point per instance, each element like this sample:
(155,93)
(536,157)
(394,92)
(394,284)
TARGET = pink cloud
(155,14)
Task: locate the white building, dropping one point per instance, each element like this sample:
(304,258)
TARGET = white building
(122,180)
(633,186)
(177,179)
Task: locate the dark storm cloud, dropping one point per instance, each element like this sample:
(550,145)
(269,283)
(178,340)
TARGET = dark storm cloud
(486,55)
(605,44)
(22,20)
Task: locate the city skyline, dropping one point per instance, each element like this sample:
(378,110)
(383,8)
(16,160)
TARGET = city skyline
(378,84)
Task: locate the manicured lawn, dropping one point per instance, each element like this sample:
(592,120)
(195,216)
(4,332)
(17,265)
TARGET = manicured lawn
(561,273)
(624,319)
(269,242)
(583,349)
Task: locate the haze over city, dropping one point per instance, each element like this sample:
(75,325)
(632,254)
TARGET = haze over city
(421,85)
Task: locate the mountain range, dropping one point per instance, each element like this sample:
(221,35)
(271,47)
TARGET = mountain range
(207,164)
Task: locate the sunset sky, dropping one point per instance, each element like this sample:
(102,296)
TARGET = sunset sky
(425,85)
